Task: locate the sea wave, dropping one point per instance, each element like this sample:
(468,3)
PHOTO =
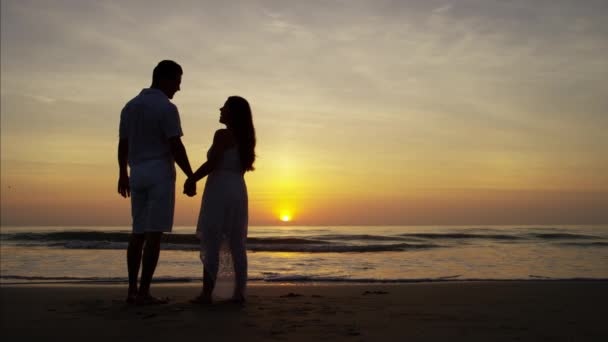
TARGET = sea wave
(335,248)
(104,238)
(563,236)
(255,247)
(65,236)
(358,237)
(585,244)
(459,236)
(323,243)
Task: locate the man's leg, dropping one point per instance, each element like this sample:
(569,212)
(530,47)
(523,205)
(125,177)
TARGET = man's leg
(150,259)
(160,205)
(134,251)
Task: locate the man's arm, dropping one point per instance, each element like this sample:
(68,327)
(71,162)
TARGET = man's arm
(179,155)
(123,177)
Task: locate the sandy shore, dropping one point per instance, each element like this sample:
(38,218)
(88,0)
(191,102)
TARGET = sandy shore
(463,311)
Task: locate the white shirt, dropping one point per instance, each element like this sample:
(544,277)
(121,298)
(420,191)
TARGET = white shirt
(148,121)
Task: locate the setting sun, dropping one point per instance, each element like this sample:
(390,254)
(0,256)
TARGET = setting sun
(285,215)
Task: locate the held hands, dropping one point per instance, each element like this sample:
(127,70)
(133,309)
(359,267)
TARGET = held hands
(190,187)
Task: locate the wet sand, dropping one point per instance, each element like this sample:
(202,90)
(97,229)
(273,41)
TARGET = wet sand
(462,311)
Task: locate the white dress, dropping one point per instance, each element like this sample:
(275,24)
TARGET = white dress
(224,216)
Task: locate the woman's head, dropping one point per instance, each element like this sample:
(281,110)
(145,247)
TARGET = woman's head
(236,115)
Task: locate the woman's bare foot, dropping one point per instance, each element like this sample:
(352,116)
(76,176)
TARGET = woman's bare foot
(238,299)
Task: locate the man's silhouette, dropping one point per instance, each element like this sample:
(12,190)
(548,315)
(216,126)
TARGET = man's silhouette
(150,143)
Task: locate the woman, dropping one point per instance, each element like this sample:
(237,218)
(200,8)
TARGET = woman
(223,212)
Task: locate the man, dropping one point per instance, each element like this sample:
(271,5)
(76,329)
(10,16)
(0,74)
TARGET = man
(150,142)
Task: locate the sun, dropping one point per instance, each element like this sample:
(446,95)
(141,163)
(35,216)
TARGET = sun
(285,215)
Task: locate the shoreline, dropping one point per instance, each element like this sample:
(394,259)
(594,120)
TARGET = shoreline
(312,282)
(437,311)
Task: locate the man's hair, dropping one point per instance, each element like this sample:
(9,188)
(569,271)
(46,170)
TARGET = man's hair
(166,70)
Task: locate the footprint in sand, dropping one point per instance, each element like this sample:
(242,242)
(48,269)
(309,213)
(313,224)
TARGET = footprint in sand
(374,292)
(291,295)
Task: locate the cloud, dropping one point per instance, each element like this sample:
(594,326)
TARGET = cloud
(346,80)
(442,9)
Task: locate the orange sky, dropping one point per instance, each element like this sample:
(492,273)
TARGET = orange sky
(375,113)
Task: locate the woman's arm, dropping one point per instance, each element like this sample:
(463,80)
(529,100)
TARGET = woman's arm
(202,171)
(221,141)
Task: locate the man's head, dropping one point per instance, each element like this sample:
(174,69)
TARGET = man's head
(167,77)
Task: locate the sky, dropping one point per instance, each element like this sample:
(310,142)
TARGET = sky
(467,112)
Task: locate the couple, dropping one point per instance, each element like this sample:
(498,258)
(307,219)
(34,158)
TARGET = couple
(150,144)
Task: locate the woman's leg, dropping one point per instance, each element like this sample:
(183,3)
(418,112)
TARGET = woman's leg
(210,257)
(239,258)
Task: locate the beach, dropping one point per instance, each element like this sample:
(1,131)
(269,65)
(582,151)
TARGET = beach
(437,311)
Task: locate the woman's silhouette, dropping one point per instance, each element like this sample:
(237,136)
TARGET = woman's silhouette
(224,208)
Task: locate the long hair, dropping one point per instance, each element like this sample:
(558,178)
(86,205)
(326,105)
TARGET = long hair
(241,122)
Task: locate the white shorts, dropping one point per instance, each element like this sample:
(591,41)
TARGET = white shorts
(152,202)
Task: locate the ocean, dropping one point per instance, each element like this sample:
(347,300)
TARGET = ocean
(376,254)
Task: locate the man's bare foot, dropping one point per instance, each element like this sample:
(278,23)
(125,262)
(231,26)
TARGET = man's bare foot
(131,298)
